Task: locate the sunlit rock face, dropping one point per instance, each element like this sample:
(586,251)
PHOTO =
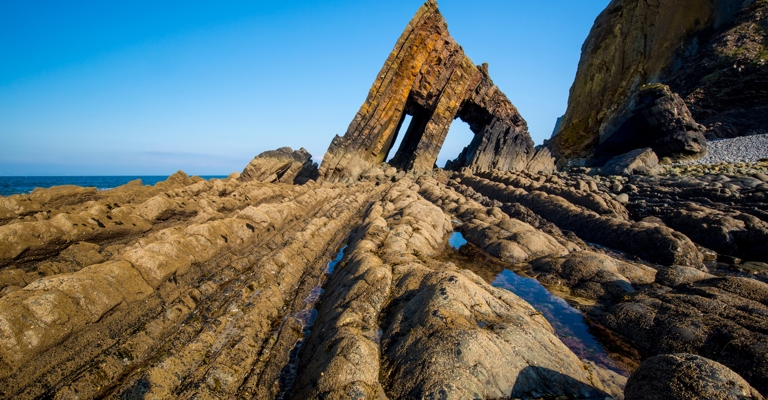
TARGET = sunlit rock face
(710,53)
(428,77)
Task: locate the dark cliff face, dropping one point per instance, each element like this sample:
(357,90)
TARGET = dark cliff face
(711,53)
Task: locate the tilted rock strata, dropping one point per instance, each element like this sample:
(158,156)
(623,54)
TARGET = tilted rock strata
(85,332)
(212,297)
(428,76)
(431,338)
(673,309)
(654,243)
(711,53)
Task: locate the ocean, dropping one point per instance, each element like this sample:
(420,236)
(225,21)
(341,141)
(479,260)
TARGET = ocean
(25,184)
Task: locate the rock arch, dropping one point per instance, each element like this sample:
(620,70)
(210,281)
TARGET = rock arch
(428,76)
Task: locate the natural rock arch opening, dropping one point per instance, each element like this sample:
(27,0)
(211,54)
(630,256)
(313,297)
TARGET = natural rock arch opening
(412,135)
(459,136)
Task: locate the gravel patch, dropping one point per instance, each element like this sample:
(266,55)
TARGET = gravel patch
(739,149)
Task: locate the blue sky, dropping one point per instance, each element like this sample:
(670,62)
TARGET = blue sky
(132,88)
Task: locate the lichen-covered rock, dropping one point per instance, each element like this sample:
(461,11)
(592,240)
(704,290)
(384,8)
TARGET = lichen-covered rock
(687,376)
(428,76)
(282,165)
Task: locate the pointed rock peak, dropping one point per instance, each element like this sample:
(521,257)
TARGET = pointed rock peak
(428,77)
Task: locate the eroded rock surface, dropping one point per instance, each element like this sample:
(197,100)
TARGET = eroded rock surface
(443,331)
(428,77)
(194,288)
(687,376)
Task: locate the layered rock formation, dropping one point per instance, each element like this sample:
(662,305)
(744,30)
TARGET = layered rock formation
(428,77)
(270,284)
(711,53)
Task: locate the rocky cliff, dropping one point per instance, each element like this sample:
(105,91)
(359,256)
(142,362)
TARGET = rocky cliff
(711,53)
(428,77)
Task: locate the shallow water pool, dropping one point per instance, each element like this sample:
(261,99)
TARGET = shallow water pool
(567,321)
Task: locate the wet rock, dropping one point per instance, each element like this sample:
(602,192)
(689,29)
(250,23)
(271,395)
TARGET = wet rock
(686,376)
(282,165)
(440,330)
(593,276)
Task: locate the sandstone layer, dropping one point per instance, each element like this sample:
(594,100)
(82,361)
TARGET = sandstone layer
(711,53)
(429,77)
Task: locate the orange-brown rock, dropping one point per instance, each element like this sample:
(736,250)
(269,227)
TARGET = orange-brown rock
(428,77)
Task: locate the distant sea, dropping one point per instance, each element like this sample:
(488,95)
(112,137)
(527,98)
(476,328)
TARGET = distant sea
(25,184)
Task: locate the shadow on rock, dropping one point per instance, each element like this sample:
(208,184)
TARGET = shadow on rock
(536,382)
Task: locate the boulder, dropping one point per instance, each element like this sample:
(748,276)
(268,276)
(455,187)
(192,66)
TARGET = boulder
(660,120)
(686,376)
(282,165)
(636,162)
(542,161)
(678,275)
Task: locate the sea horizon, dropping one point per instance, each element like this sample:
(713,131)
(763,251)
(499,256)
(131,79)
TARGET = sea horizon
(25,184)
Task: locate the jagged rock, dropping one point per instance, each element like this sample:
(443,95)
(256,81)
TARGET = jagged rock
(686,376)
(709,52)
(428,76)
(658,119)
(282,165)
(636,162)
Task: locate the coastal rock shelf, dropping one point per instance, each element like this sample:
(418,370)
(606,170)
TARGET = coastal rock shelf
(222,288)
(194,288)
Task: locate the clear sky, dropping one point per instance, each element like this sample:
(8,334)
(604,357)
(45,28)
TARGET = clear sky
(146,87)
